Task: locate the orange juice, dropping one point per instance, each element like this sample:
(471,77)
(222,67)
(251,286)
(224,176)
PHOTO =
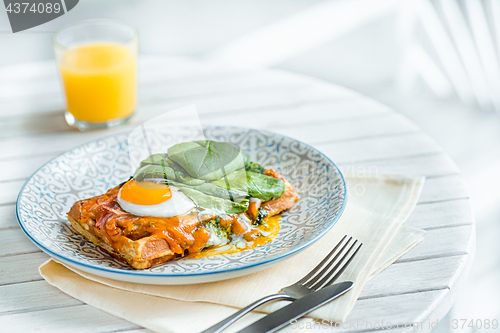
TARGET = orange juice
(100,81)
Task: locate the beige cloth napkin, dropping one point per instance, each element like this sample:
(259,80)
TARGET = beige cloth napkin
(376,209)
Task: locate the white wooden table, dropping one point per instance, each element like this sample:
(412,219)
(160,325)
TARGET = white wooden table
(359,134)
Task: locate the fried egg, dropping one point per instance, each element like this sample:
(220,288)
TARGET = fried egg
(151,199)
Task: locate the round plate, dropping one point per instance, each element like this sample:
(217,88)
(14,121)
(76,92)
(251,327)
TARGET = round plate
(92,168)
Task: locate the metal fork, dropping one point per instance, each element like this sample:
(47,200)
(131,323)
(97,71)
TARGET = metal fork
(321,276)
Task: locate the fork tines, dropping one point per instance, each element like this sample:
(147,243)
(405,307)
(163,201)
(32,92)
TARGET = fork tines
(330,268)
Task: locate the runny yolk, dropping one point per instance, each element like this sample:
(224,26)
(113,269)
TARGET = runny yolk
(145,193)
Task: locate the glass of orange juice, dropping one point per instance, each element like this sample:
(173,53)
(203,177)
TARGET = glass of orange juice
(97,61)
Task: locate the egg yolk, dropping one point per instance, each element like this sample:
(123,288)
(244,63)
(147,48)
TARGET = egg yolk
(145,193)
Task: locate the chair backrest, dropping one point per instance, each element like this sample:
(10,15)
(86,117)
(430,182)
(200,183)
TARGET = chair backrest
(454,46)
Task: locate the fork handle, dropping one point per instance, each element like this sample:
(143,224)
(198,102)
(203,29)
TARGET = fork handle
(222,325)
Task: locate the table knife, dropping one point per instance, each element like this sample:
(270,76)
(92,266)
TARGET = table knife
(282,317)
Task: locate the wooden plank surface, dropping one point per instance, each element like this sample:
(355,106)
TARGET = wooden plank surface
(21,267)
(356,132)
(15,242)
(437,244)
(9,191)
(8,217)
(79,319)
(33,296)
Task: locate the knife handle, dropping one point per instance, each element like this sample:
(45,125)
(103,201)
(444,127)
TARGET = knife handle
(282,317)
(222,325)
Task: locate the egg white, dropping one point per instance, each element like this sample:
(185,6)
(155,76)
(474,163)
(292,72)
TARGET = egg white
(178,204)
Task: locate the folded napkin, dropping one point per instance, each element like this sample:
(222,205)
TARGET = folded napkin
(376,209)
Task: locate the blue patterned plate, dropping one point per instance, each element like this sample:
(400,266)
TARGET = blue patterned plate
(92,168)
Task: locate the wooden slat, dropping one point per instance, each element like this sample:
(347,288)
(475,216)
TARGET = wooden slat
(33,296)
(245,101)
(415,276)
(321,131)
(22,168)
(379,148)
(175,89)
(75,319)
(14,241)
(276,119)
(441,214)
(431,165)
(334,108)
(20,73)
(21,268)
(153,68)
(443,188)
(53,121)
(9,191)
(8,217)
(30,149)
(444,242)
(26,107)
(31,89)
(407,308)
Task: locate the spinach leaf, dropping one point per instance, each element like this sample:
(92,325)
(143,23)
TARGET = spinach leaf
(246,159)
(215,204)
(155,159)
(183,177)
(159,166)
(215,191)
(255,184)
(215,175)
(154,171)
(255,167)
(236,180)
(148,173)
(205,159)
(264,187)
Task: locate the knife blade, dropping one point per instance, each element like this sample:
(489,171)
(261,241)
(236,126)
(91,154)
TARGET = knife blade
(282,317)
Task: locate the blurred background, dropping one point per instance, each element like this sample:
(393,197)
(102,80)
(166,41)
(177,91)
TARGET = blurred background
(437,62)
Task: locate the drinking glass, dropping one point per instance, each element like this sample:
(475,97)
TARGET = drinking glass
(97,62)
